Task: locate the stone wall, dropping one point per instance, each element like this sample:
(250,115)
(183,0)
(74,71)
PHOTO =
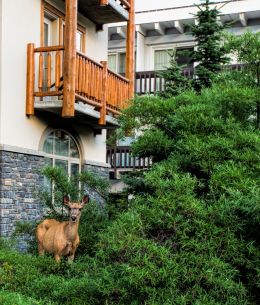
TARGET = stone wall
(102,172)
(19,179)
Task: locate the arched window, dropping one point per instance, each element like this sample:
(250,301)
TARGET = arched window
(62,151)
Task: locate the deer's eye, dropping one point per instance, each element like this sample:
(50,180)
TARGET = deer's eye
(80,209)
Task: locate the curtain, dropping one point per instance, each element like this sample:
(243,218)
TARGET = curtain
(161,59)
(122,60)
(112,62)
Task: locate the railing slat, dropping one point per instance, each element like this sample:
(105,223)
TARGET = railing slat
(40,75)
(48,71)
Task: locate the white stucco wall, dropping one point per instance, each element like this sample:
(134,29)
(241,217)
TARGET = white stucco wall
(165,12)
(20,25)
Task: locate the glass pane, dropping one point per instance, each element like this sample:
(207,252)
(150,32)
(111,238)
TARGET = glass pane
(46,34)
(62,164)
(183,57)
(74,169)
(161,59)
(61,143)
(74,152)
(112,62)
(48,144)
(78,41)
(122,59)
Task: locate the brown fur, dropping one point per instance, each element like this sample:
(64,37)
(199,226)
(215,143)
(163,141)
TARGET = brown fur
(61,238)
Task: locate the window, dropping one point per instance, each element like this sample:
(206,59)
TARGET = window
(183,57)
(162,59)
(117,62)
(112,62)
(122,62)
(55,20)
(62,151)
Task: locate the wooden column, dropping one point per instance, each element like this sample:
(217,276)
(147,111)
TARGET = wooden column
(69,71)
(30,80)
(130,49)
(103,2)
(103,110)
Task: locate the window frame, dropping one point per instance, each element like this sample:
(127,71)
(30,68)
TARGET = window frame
(118,54)
(53,157)
(48,9)
(174,46)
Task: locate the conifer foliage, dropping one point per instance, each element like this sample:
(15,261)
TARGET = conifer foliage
(210,53)
(175,81)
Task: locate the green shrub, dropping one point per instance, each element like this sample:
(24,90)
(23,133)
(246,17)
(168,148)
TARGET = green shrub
(191,233)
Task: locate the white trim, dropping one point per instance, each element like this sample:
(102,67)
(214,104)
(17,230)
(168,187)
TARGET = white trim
(96,163)
(163,47)
(117,53)
(21,150)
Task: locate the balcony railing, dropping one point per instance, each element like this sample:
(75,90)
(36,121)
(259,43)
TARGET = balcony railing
(121,160)
(151,82)
(95,85)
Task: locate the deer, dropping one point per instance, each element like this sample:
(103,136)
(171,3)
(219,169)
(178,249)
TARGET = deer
(61,238)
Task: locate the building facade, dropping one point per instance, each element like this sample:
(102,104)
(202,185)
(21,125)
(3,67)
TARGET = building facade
(57,96)
(165,25)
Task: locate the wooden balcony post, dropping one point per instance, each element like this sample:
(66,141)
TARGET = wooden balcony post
(30,80)
(103,109)
(69,73)
(103,2)
(130,49)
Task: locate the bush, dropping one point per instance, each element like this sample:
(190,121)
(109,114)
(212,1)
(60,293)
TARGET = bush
(191,233)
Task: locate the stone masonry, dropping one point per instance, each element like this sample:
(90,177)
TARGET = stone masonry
(102,172)
(19,179)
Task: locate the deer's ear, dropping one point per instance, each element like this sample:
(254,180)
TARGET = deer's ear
(85,200)
(66,200)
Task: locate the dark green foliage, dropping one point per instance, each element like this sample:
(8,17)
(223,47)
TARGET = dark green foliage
(247,50)
(175,81)
(59,184)
(210,54)
(191,234)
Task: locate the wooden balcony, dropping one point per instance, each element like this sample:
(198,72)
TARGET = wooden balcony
(152,82)
(99,92)
(68,83)
(121,160)
(105,11)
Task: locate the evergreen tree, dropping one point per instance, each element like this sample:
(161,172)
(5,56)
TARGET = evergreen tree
(210,54)
(246,48)
(175,81)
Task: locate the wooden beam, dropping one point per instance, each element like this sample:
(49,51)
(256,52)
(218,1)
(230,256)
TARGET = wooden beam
(130,49)
(103,2)
(30,80)
(243,19)
(103,110)
(42,24)
(179,27)
(140,29)
(69,73)
(158,28)
(120,32)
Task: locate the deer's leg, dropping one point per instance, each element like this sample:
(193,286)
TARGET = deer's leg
(72,252)
(71,258)
(40,249)
(57,257)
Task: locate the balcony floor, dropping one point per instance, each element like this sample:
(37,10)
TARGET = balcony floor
(113,12)
(84,114)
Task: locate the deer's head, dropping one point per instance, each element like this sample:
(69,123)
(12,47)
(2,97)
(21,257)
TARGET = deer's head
(75,207)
